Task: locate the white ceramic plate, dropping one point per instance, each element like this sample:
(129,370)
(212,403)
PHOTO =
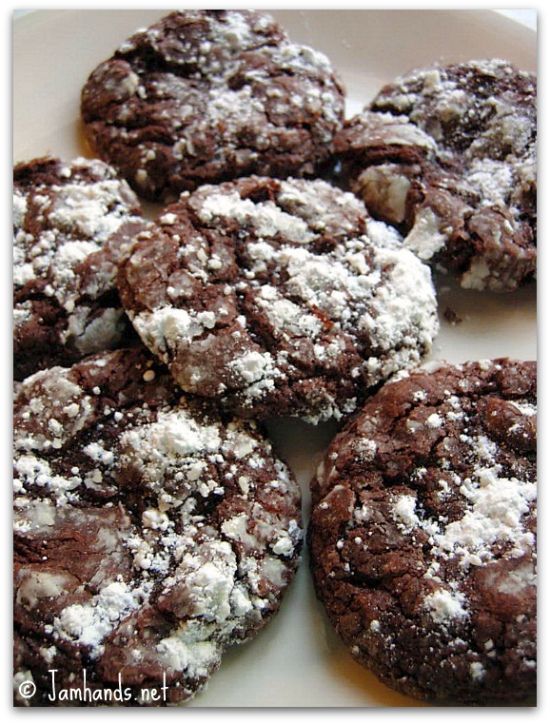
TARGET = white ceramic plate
(297,661)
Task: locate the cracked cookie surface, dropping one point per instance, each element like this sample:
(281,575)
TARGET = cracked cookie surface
(278,297)
(72,224)
(149,532)
(207,96)
(448,155)
(423,533)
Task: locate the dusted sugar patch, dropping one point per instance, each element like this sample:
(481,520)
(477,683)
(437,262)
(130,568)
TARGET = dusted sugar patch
(72,223)
(278,297)
(206,96)
(448,155)
(423,533)
(149,533)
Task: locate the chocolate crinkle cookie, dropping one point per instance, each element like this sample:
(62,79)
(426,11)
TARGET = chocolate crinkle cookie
(448,155)
(151,533)
(72,223)
(423,533)
(278,297)
(206,96)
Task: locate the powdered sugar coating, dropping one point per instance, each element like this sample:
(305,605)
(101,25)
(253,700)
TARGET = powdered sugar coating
(72,222)
(425,522)
(187,528)
(208,96)
(448,154)
(278,297)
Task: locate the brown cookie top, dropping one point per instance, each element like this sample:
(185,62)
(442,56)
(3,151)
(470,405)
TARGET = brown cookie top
(72,223)
(423,532)
(278,297)
(206,96)
(448,154)
(150,533)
